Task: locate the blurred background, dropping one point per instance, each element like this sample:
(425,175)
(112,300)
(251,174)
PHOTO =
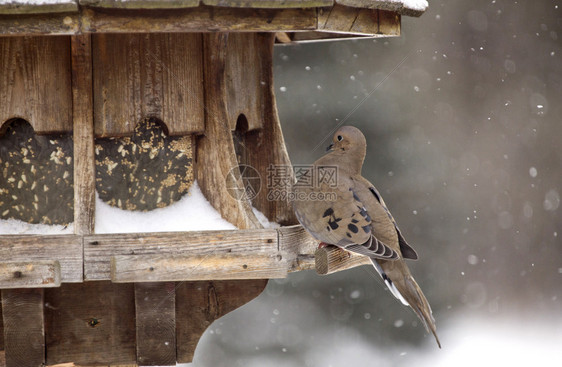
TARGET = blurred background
(463,121)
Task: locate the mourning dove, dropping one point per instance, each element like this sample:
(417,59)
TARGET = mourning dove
(337,206)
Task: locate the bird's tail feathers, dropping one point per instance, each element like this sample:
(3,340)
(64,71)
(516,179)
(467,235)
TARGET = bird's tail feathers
(405,289)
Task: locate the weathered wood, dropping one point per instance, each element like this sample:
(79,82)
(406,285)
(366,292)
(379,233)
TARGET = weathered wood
(273,164)
(245,88)
(400,7)
(2,353)
(83,135)
(41,24)
(297,247)
(306,37)
(66,249)
(30,274)
(98,249)
(155,311)
(224,266)
(217,170)
(199,19)
(349,20)
(147,75)
(24,332)
(198,304)
(1,336)
(32,7)
(389,23)
(269,3)
(25,92)
(140,4)
(331,259)
(90,324)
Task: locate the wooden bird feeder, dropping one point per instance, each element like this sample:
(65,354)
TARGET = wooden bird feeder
(135,100)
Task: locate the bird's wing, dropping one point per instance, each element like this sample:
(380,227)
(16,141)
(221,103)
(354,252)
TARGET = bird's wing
(384,225)
(342,220)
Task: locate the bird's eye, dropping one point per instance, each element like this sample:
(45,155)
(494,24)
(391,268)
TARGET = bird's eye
(340,138)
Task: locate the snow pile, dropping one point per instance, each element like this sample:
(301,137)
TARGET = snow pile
(420,5)
(14,226)
(191,213)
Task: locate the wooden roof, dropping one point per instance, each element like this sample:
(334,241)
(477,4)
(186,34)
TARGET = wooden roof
(403,7)
(311,20)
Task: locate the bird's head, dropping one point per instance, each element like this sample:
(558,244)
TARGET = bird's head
(349,143)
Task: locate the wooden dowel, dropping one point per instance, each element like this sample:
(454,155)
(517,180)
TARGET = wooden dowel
(331,259)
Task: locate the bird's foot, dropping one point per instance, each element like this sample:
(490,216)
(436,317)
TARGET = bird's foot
(322,245)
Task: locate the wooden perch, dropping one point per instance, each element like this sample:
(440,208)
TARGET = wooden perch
(331,259)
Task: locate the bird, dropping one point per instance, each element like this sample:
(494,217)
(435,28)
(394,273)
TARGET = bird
(339,207)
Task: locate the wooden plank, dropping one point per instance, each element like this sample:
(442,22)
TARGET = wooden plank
(25,92)
(98,249)
(332,259)
(41,24)
(2,354)
(153,75)
(269,3)
(24,333)
(297,247)
(199,19)
(66,249)
(349,20)
(217,170)
(140,4)
(90,324)
(397,6)
(30,274)
(83,135)
(198,304)
(245,87)
(272,165)
(1,336)
(389,23)
(225,266)
(32,7)
(155,310)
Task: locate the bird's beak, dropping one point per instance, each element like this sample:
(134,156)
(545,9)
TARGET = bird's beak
(330,147)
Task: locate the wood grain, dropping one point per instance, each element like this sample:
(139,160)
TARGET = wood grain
(155,315)
(90,324)
(99,249)
(30,274)
(389,23)
(147,75)
(217,170)
(198,304)
(273,164)
(332,259)
(66,249)
(269,3)
(24,332)
(199,19)
(162,268)
(83,135)
(25,92)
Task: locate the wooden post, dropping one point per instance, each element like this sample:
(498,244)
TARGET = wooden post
(24,333)
(331,259)
(84,159)
(155,305)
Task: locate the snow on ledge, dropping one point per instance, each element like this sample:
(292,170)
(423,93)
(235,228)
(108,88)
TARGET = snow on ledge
(191,213)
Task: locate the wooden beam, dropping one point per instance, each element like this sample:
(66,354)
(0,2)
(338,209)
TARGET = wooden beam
(66,249)
(90,324)
(225,266)
(155,310)
(137,76)
(83,138)
(30,274)
(99,249)
(24,332)
(25,92)
(332,259)
(198,304)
